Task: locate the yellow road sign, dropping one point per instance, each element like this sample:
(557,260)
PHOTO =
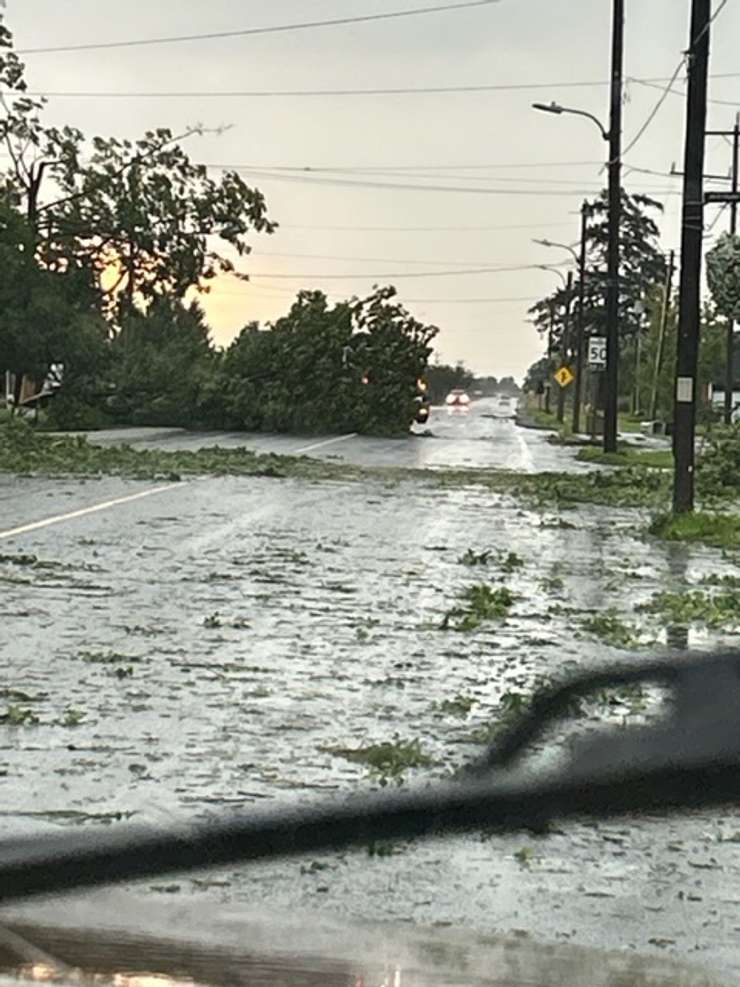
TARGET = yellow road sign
(564,377)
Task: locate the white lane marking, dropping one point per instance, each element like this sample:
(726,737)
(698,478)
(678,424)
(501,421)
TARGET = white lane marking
(106,505)
(527,459)
(321,445)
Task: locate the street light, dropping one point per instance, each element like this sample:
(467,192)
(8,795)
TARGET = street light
(562,246)
(565,336)
(612,136)
(580,259)
(558,110)
(555,270)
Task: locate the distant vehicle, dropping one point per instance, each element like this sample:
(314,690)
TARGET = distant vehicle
(505,406)
(457,399)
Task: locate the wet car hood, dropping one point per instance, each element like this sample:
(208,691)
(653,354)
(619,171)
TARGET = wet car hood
(127,941)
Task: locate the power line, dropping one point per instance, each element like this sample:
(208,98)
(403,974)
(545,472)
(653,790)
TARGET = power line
(657,82)
(407,186)
(428,229)
(272,29)
(369,260)
(658,106)
(399,169)
(708,25)
(666,92)
(312,276)
(330,173)
(278,93)
(413,301)
(682,93)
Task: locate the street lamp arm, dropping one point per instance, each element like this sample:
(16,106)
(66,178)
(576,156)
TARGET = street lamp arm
(546,267)
(562,246)
(558,109)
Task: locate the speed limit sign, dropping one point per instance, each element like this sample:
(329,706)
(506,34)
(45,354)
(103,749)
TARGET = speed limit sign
(597,352)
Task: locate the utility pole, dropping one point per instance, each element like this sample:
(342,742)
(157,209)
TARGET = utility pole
(565,343)
(548,385)
(580,327)
(691,259)
(730,378)
(611,404)
(661,338)
(732,197)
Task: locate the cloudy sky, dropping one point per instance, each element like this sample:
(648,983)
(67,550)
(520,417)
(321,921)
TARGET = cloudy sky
(488,174)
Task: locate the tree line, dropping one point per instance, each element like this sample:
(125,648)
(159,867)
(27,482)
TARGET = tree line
(648,315)
(103,241)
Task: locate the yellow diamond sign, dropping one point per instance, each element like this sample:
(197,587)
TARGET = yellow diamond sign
(564,377)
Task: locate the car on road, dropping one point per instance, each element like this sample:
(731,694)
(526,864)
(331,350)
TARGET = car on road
(505,406)
(457,399)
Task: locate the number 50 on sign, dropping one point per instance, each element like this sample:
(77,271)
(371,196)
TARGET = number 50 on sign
(597,352)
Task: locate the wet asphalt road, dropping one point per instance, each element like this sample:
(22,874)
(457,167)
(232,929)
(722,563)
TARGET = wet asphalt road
(478,437)
(210,646)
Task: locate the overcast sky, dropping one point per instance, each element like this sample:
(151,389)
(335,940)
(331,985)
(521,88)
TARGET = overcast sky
(535,167)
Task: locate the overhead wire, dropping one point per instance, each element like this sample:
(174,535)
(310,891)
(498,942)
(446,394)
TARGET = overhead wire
(369,260)
(425,229)
(517,299)
(270,29)
(666,92)
(657,82)
(407,186)
(399,274)
(682,93)
(330,173)
(656,109)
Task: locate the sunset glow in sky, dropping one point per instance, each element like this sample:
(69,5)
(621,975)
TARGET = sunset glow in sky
(475,175)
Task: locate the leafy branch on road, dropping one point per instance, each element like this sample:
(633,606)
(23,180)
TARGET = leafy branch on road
(718,611)
(479,603)
(611,629)
(387,761)
(24,451)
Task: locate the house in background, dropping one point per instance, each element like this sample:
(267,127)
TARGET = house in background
(31,391)
(717,388)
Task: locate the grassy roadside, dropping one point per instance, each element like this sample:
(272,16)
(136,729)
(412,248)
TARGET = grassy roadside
(536,418)
(628,456)
(716,530)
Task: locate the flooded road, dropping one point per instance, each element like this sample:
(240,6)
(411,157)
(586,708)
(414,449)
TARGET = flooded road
(452,437)
(227,641)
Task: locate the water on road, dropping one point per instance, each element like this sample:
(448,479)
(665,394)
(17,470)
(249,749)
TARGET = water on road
(222,642)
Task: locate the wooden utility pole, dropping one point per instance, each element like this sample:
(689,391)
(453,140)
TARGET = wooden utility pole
(580,327)
(691,259)
(659,356)
(611,375)
(565,343)
(730,372)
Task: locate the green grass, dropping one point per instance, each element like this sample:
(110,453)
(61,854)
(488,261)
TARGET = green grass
(716,530)
(537,418)
(628,423)
(628,456)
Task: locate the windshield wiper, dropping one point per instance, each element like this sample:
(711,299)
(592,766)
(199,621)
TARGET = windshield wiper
(688,761)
